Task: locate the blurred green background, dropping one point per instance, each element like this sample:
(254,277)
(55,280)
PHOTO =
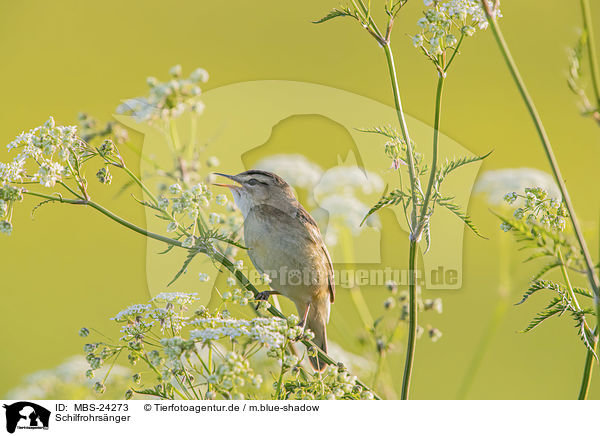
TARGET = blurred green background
(70,267)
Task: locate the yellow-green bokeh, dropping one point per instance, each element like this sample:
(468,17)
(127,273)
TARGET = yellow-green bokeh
(71,267)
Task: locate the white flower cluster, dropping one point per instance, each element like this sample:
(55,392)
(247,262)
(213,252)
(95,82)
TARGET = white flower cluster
(339,194)
(444,22)
(131,312)
(538,208)
(238,296)
(295,169)
(335,383)
(233,373)
(343,212)
(348,180)
(140,318)
(169,319)
(183,299)
(270,332)
(191,203)
(496,183)
(174,348)
(49,146)
(167,100)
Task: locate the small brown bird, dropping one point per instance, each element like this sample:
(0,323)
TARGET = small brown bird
(285,243)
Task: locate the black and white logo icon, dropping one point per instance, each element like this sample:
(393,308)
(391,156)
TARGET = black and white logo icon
(26,415)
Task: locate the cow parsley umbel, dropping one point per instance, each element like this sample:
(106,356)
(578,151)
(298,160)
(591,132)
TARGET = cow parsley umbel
(191,352)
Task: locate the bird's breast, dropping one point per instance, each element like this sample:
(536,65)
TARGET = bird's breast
(282,247)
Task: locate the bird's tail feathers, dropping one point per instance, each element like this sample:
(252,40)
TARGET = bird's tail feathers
(317,323)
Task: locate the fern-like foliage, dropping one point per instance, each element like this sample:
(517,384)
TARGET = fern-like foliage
(538,285)
(545,269)
(585,333)
(454,164)
(543,243)
(554,308)
(560,304)
(190,256)
(392,199)
(386,131)
(448,203)
(336,13)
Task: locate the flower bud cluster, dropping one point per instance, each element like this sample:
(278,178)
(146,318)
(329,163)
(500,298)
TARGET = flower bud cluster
(167,100)
(445,22)
(538,209)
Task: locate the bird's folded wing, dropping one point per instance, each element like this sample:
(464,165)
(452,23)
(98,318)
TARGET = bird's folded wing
(315,233)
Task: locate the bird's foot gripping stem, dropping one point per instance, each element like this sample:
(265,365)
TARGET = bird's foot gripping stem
(264,296)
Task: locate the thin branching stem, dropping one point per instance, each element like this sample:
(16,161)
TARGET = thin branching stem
(414,181)
(591,49)
(586,378)
(434,157)
(414,238)
(412,321)
(591,274)
(109,214)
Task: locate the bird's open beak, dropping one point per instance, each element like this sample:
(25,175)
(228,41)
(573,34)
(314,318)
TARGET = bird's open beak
(224,185)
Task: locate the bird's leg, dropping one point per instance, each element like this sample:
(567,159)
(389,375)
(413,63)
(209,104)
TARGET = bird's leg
(302,322)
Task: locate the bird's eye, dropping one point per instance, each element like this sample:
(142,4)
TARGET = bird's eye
(252,182)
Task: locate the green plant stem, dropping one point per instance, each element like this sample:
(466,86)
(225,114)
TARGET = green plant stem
(456,51)
(138,182)
(591,274)
(591,48)
(436,135)
(280,380)
(586,379)
(414,236)
(109,214)
(414,181)
(193,130)
(565,274)
(412,320)
(174,135)
(377,369)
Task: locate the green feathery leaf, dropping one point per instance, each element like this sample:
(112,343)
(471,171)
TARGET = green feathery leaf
(218,236)
(386,131)
(584,292)
(585,334)
(554,308)
(190,256)
(39,205)
(538,285)
(454,164)
(392,199)
(335,13)
(546,268)
(448,204)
